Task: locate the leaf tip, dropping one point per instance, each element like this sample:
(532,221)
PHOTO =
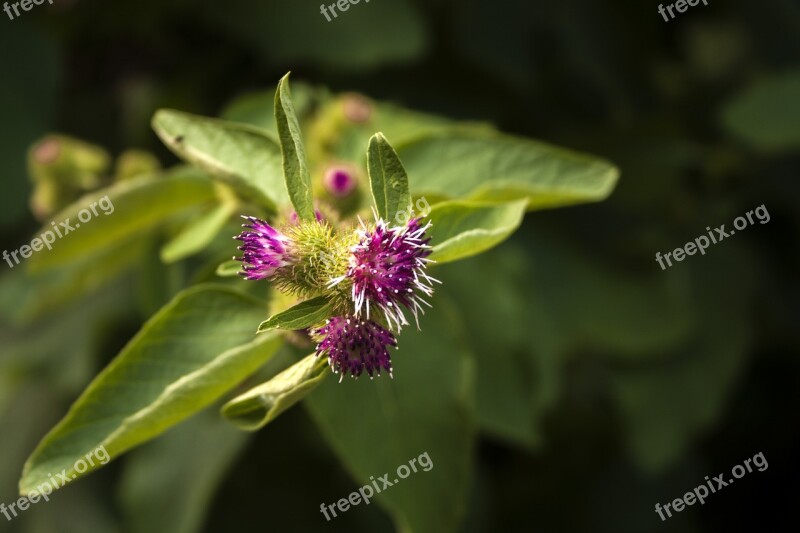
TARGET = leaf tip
(378,137)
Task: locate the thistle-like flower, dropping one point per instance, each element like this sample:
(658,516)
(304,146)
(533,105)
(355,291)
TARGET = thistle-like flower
(387,268)
(375,265)
(355,345)
(265,249)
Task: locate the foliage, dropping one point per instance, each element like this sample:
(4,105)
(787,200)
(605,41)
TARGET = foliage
(203,343)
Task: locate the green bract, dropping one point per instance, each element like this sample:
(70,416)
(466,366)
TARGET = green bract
(320,255)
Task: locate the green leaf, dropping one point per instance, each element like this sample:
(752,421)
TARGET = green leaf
(197,234)
(387,178)
(191,352)
(463,228)
(767,114)
(295,169)
(133,207)
(518,365)
(58,348)
(244,156)
(42,407)
(401,124)
(345,139)
(377,425)
(498,167)
(169,484)
(25,296)
(229,268)
(652,313)
(300,316)
(666,407)
(261,405)
(41,401)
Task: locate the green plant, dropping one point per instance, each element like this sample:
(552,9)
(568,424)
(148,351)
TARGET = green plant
(206,341)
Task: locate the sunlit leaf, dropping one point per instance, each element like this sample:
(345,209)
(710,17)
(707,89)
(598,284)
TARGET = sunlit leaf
(262,404)
(502,168)
(240,155)
(387,178)
(190,353)
(295,166)
(300,316)
(132,208)
(197,234)
(463,228)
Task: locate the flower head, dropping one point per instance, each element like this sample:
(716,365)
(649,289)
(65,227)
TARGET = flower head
(387,268)
(265,249)
(355,345)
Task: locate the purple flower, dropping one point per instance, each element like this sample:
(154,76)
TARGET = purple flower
(355,345)
(339,181)
(265,249)
(387,268)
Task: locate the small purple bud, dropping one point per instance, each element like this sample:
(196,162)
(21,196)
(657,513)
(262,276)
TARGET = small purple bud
(339,181)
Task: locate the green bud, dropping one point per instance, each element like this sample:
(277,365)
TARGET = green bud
(63,168)
(318,255)
(133,163)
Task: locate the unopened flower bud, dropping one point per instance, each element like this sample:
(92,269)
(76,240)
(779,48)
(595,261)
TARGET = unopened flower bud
(339,181)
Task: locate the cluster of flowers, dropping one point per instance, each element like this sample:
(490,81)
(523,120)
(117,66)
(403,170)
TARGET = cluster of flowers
(383,270)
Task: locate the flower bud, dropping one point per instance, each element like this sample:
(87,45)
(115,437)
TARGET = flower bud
(339,181)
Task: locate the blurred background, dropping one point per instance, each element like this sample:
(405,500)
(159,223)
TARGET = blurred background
(622,385)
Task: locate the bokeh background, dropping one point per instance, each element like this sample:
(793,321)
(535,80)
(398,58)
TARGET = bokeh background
(627,384)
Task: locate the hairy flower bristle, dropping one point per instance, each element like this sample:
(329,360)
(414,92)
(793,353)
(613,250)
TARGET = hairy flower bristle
(355,345)
(265,249)
(387,269)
